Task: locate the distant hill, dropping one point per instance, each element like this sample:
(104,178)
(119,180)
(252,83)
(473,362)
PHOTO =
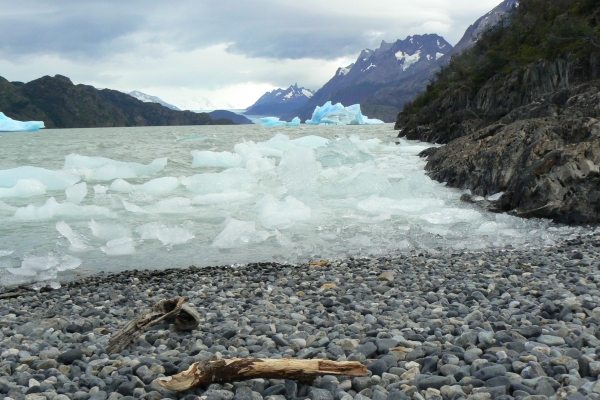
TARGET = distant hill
(280,102)
(146,98)
(224,114)
(61,104)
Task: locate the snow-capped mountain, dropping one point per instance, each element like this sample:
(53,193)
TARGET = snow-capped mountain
(488,20)
(146,98)
(379,68)
(280,102)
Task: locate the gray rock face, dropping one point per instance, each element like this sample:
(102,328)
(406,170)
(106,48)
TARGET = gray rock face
(545,157)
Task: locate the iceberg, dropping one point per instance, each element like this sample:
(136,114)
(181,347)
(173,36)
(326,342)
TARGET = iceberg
(10,125)
(337,114)
(276,122)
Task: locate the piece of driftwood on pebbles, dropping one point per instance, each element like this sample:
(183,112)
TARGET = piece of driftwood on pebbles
(205,373)
(184,317)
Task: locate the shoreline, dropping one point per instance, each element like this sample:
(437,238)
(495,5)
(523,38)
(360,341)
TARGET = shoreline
(510,323)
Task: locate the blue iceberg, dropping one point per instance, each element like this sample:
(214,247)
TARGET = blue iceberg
(10,125)
(337,114)
(274,121)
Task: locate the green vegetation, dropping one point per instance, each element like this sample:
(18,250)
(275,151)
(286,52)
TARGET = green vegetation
(536,30)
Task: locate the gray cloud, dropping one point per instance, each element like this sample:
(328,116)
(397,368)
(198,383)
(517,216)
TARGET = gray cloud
(261,28)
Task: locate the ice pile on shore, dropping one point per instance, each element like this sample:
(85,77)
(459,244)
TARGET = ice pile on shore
(324,195)
(337,114)
(10,125)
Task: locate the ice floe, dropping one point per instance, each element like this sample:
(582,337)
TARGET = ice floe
(10,125)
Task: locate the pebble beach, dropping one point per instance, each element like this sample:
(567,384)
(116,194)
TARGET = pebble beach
(498,324)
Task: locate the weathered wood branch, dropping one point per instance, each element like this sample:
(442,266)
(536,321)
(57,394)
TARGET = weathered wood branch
(183,316)
(237,369)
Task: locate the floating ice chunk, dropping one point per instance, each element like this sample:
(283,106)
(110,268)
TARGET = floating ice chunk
(45,267)
(378,205)
(239,233)
(6,208)
(230,179)
(279,142)
(119,247)
(299,170)
(109,231)
(341,152)
(100,190)
(33,265)
(11,125)
(365,145)
(311,141)
(78,242)
(215,159)
(76,193)
(133,207)
(53,209)
(451,215)
(105,169)
(160,186)
(362,181)
(221,198)
(337,114)
(283,240)
(120,185)
(4,253)
(24,188)
(281,214)
(68,262)
(275,122)
(252,158)
(150,230)
(174,205)
(495,196)
(53,180)
(170,236)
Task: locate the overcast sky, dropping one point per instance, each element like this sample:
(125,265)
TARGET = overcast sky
(225,51)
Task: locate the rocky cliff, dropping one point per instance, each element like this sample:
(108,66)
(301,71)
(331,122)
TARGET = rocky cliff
(401,69)
(61,104)
(519,113)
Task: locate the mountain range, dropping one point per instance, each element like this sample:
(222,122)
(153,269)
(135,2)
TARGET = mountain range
(380,80)
(280,102)
(61,104)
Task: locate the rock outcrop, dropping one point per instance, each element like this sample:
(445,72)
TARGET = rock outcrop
(458,111)
(544,156)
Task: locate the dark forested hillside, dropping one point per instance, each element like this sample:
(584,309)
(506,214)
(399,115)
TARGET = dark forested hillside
(540,46)
(61,104)
(520,113)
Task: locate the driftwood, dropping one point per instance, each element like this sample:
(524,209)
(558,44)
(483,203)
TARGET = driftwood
(237,369)
(184,317)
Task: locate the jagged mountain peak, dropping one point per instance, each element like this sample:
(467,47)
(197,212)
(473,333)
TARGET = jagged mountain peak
(279,101)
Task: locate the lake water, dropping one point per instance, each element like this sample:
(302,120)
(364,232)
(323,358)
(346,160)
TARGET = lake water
(80,201)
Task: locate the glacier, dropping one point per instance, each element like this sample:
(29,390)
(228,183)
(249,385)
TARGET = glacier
(337,114)
(10,125)
(276,122)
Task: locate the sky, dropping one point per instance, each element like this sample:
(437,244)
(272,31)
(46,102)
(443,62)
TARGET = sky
(205,54)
